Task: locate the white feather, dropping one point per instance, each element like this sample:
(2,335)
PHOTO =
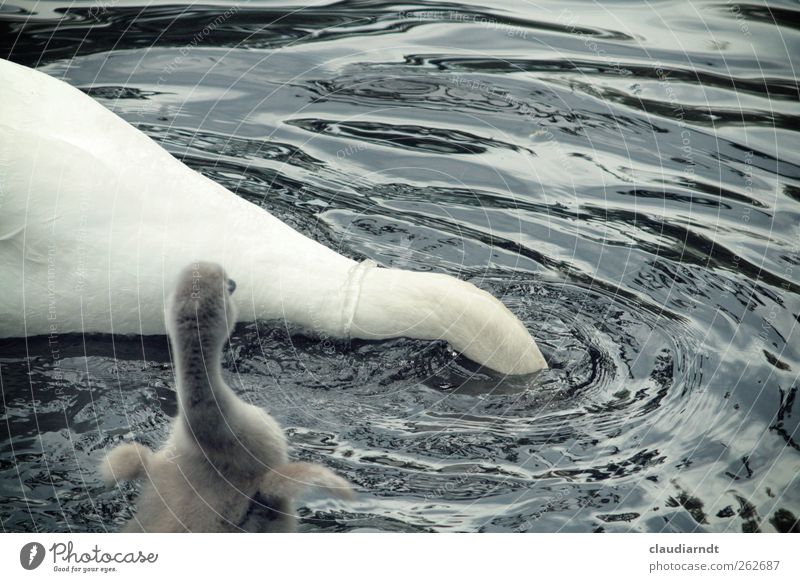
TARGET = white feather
(96,219)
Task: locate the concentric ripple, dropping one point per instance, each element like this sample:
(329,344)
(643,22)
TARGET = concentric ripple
(625,178)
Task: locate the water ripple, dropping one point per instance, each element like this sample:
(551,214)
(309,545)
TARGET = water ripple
(625,179)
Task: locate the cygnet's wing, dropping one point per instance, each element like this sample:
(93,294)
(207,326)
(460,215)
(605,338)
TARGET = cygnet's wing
(125,463)
(290,480)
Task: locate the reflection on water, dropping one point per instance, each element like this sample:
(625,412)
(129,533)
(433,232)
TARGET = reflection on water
(625,178)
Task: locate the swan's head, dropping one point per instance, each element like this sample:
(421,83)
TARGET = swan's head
(201,306)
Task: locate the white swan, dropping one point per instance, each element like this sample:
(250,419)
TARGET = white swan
(225,465)
(95,219)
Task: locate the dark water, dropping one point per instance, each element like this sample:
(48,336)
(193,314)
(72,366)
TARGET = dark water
(625,177)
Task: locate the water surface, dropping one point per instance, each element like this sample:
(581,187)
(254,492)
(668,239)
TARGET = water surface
(625,177)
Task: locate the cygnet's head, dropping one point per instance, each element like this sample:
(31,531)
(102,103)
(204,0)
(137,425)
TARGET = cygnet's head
(201,306)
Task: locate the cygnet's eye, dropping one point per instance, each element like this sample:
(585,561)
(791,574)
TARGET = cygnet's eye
(231,286)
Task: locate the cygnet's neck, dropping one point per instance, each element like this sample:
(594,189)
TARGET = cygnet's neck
(203,394)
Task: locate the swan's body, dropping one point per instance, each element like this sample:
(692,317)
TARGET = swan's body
(225,465)
(95,219)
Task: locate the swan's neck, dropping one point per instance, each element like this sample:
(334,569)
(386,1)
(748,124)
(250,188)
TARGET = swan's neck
(290,278)
(395,303)
(282,275)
